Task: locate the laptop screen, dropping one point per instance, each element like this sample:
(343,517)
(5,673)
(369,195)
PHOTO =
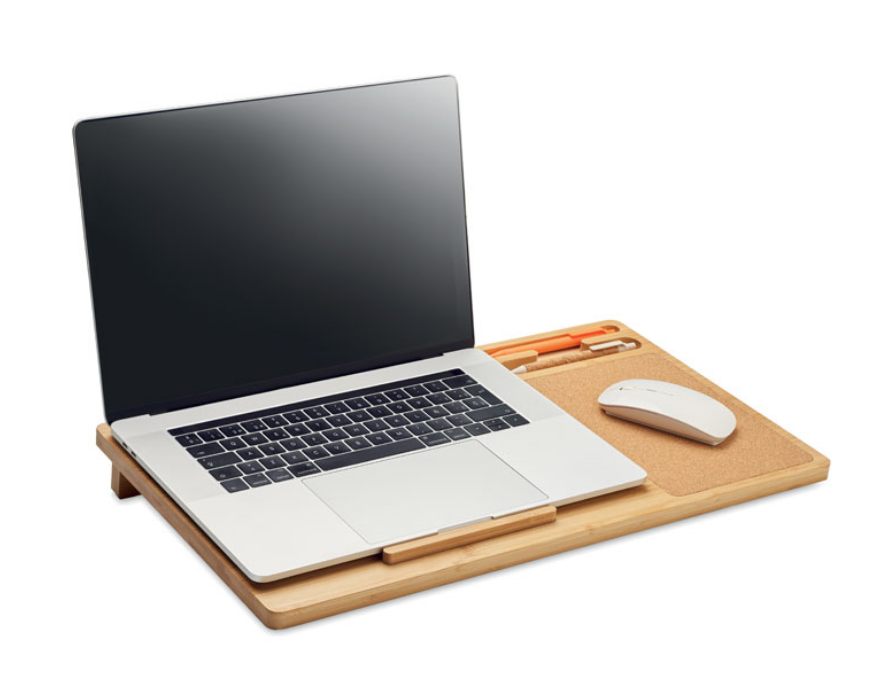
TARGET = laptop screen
(247,246)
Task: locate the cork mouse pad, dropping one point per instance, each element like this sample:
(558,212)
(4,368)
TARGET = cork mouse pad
(677,465)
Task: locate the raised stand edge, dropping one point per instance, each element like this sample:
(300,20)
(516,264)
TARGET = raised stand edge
(420,547)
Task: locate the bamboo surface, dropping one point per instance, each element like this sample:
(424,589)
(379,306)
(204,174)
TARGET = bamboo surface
(365,582)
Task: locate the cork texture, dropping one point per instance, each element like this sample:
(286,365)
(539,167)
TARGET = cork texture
(677,465)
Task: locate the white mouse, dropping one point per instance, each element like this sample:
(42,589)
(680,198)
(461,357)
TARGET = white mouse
(671,408)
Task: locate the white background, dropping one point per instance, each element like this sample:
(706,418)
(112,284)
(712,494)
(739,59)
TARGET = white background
(718,175)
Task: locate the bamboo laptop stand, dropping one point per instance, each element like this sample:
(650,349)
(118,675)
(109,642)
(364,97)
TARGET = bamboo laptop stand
(684,479)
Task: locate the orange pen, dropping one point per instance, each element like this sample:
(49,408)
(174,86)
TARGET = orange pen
(563,341)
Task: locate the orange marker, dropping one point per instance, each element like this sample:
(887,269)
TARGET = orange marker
(542,346)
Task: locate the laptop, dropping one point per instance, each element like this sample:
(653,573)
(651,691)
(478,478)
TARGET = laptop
(282,303)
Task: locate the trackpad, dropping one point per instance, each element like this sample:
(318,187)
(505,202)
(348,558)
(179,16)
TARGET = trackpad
(424,492)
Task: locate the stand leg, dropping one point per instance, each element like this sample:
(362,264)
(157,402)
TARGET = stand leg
(121,486)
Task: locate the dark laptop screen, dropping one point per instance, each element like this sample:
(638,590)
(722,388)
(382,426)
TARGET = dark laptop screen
(246,246)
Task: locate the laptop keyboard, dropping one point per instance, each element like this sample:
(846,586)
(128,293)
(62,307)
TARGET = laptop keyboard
(292,441)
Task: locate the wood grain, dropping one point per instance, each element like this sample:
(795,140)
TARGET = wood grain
(122,488)
(365,582)
(512,361)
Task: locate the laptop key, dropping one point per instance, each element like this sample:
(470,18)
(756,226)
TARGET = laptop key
(272,462)
(489,413)
(379,438)
(254,425)
(458,394)
(252,466)
(438,398)
(399,407)
(376,399)
(357,403)
(188,440)
(435,439)
(339,420)
(275,421)
(490,398)
(416,390)
(459,381)
(379,411)
(435,386)
(419,429)
(250,454)
(297,430)
(225,473)
(255,439)
(335,434)
(271,449)
(314,439)
(295,417)
(276,434)
(318,424)
(418,403)
(356,430)
(292,444)
(399,434)
(456,434)
(337,447)
(475,403)
(416,417)
(456,407)
(279,475)
(218,461)
(293,458)
(439,424)
(398,394)
(233,444)
(303,469)
(516,420)
(496,424)
(360,416)
(397,420)
(337,407)
(209,449)
(316,412)
(257,480)
(368,454)
(235,485)
(358,442)
(315,453)
(459,420)
(437,411)
(232,430)
(476,429)
(211,435)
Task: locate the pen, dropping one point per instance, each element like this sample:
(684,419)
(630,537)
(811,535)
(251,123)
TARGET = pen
(542,346)
(596,350)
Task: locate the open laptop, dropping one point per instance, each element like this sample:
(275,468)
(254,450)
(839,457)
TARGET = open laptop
(282,303)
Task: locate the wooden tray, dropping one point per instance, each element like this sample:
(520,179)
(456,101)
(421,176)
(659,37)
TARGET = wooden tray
(684,479)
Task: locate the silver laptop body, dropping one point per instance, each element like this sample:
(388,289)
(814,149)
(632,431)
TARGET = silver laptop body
(312,473)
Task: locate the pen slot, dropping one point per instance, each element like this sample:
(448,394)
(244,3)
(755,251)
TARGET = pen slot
(549,344)
(530,362)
